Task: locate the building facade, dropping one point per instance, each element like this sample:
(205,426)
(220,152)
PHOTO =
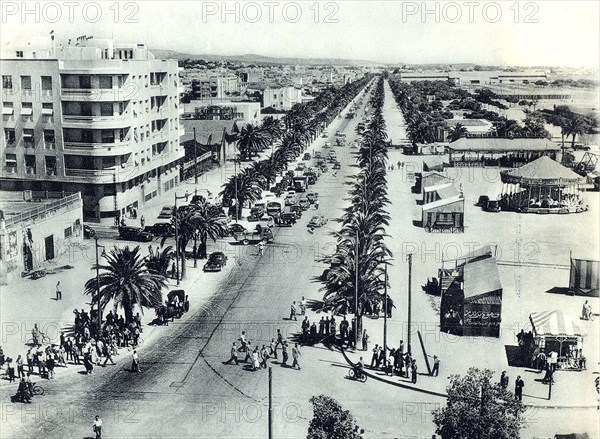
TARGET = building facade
(94,118)
(215,87)
(245,112)
(38,229)
(283,98)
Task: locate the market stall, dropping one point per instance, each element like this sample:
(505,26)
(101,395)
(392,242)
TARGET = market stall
(554,331)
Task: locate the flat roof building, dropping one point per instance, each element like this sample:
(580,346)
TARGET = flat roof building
(90,117)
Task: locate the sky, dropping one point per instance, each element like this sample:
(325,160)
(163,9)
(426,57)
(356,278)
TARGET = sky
(549,32)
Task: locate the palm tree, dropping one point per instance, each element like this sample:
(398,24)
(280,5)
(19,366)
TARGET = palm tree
(458,131)
(250,140)
(244,187)
(267,170)
(273,128)
(159,261)
(127,281)
(207,223)
(575,125)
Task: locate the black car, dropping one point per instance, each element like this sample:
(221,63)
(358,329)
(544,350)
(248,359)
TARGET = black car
(287,219)
(216,261)
(88,232)
(236,228)
(160,229)
(134,234)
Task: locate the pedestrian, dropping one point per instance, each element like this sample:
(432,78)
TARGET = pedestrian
(519,384)
(234,355)
(20,367)
(97,427)
(504,380)
(243,341)
(273,348)
(142,221)
(296,355)
(390,362)
(293,311)
(322,326)
(381,359)
(365,340)
(436,366)
(135,362)
(255,360)
(173,270)
(375,356)
(10,370)
(264,357)
(305,326)
(413,371)
(58,291)
(284,354)
(303,306)
(50,363)
(107,352)
(279,342)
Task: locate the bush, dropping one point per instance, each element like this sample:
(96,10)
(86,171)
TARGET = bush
(330,421)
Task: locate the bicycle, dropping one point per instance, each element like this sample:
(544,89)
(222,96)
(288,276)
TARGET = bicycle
(37,390)
(41,340)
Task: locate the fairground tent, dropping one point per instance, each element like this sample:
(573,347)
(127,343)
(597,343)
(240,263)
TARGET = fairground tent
(543,171)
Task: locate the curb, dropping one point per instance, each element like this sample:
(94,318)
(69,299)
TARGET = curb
(444,395)
(402,385)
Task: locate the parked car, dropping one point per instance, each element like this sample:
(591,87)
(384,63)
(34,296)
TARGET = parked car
(291,198)
(88,232)
(166,212)
(134,234)
(297,209)
(216,261)
(301,166)
(317,221)
(306,156)
(325,134)
(257,211)
(318,154)
(327,144)
(337,165)
(160,229)
(482,201)
(287,219)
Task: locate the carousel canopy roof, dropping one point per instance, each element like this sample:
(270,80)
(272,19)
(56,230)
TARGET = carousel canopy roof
(543,171)
(501,144)
(554,323)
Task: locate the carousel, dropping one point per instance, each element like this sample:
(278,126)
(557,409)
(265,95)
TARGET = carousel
(542,186)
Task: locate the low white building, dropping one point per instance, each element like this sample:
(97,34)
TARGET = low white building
(244,112)
(283,98)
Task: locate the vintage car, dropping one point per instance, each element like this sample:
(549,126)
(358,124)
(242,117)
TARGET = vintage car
(175,306)
(88,232)
(317,221)
(160,229)
(166,212)
(134,234)
(216,261)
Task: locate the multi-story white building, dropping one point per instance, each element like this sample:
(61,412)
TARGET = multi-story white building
(282,98)
(90,117)
(215,87)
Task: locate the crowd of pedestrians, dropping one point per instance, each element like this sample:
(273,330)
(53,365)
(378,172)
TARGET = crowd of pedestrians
(258,357)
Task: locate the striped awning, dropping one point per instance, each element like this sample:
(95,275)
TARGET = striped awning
(555,324)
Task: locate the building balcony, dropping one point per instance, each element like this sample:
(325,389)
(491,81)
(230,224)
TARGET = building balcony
(96,122)
(98,149)
(115,94)
(117,174)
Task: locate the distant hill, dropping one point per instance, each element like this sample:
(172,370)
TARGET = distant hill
(261,59)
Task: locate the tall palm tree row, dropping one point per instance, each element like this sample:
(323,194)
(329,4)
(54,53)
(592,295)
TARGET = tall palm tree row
(361,253)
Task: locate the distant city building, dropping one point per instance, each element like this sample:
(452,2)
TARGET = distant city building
(36,228)
(245,112)
(90,117)
(283,98)
(475,78)
(215,87)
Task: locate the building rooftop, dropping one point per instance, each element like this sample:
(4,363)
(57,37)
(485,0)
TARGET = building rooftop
(501,144)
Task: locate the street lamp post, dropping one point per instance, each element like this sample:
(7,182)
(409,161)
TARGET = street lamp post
(177,236)
(408,347)
(195,158)
(98,284)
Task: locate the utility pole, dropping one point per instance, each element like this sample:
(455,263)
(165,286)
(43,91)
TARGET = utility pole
(195,158)
(270,403)
(409,300)
(356,329)
(98,286)
(385,314)
(176,241)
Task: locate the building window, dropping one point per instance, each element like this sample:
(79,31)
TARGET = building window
(48,112)
(7,82)
(28,138)
(68,232)
(108,136)
(9,136)
(49,139)
(47,83)
(85,82)
(106,81)
(30,164)
(106,108)
(11,163)
(19,54)
(25,82)
(50,165)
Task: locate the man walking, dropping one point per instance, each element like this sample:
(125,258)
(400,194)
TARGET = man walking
(436,366)
(58,291)
(303,306)
(375,356)
(135,364)
(519,384)
(97,426)
(296,355)
(234,354)
(284,354)
(365,340)
(293,311)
